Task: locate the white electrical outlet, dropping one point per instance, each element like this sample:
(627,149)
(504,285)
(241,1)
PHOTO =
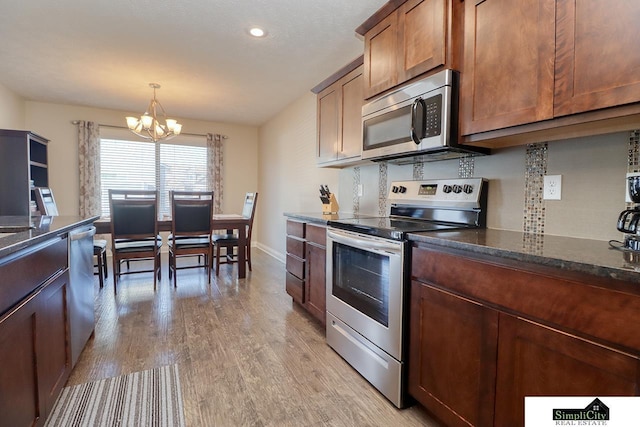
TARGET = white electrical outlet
(360,190)
(552,189)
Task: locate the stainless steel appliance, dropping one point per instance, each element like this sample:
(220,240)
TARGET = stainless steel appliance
(418,122)
(629,219)
(81,292)
(368,266)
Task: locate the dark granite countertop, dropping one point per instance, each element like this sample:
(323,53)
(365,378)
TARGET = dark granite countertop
(593,257)
(15,234)
(320,218)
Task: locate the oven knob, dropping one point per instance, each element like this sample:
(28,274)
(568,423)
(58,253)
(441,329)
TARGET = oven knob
(394,189)
(467,188)
(402,189)
(446,188)
(457,188)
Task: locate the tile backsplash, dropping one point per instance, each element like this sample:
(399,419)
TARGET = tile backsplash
(592,168)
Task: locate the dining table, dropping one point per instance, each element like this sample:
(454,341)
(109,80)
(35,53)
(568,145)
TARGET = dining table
(227,222)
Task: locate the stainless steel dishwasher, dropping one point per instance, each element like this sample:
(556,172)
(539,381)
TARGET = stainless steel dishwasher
(81,290)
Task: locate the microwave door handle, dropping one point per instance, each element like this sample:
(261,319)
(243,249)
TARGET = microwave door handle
(415,123)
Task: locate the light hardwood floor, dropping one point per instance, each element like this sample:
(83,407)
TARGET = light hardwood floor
(246,355)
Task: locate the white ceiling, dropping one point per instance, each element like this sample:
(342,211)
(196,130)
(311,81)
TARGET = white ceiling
(104,53)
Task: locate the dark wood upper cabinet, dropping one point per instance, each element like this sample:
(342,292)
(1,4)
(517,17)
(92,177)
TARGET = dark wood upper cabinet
(409,41)
(507,76)
(339,116)
(381,56)
(542,70)
(597,55)
(421,35)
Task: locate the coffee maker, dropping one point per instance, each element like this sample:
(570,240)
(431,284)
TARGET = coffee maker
(629,219)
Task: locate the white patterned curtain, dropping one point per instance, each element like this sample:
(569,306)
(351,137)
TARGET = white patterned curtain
(89,159)
(215,166)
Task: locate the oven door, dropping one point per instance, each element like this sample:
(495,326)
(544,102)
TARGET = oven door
(365,286)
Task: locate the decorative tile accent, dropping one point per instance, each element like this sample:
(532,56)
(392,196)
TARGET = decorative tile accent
(634,151)
(535,169)
(382,188)
(418,171)
(356,183)
(533,244)
(466,166)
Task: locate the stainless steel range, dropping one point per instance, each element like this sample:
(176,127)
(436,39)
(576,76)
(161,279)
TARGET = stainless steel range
(368,274)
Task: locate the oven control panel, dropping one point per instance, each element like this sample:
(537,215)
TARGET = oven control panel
(437,191)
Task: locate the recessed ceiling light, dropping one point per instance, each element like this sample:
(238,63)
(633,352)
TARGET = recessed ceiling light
(257,32)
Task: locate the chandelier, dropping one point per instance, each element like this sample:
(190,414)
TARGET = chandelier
(154,124)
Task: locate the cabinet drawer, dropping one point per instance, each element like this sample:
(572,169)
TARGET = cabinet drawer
(295,266)
(23,271)
(296,228)
(295,288)
(295,247)
(317,234)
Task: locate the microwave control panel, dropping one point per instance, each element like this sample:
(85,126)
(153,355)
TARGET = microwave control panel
(432,116)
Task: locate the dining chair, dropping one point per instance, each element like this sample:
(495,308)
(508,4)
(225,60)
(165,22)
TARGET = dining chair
(46,204)
(191,213)
(134,231)
(230,241)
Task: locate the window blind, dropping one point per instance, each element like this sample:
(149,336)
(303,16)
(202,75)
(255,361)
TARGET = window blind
(136,165)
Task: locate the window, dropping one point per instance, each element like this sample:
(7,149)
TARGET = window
(135,165)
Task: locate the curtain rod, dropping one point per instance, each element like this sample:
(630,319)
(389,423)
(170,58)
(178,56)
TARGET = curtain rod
(75,122)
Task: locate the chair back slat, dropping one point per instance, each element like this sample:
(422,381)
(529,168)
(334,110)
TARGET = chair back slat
(134,214)
(249,211)
(191,212)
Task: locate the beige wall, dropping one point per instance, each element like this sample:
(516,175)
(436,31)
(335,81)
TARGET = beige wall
(11,110)
(593,172)
(53,121)
(288,176)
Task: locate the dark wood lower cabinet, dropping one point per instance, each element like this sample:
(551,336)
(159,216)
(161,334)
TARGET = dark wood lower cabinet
(306,265)
(316,291)
(452,361)
(34,355)
(485,332)
(534,360)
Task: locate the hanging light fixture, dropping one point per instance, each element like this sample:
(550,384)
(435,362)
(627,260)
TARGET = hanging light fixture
(154,124)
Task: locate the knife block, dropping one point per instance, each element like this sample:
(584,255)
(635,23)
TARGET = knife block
(331,207)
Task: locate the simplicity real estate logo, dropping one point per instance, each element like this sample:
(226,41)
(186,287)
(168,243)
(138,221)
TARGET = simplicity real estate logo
(595,411)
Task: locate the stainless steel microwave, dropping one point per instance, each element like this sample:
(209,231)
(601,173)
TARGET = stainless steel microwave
(417,122)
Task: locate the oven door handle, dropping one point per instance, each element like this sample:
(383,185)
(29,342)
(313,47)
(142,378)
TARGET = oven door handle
(366,244)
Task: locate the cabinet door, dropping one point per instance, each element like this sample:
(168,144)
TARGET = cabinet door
(598,60)
(381,56)
(35,355)
(535,360)
(452,356)
(421,37)
(53,340)
(508,71)
(20,404)
(315,296)
(352,99)
(328,124)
